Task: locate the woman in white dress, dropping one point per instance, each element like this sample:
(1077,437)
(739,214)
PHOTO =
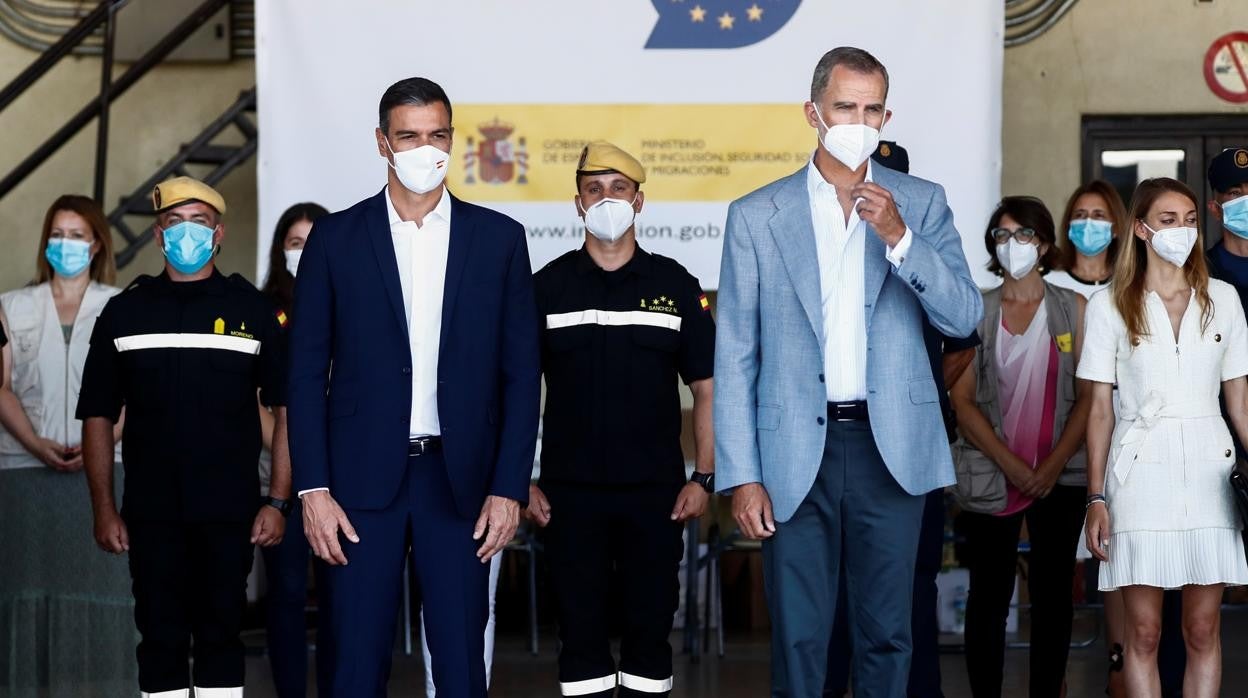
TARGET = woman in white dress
(1161,514)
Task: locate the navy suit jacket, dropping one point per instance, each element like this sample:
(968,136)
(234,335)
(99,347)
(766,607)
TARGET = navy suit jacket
(349,426)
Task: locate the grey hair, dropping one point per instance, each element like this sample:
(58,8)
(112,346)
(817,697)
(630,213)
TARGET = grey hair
(413,92)
(855,59)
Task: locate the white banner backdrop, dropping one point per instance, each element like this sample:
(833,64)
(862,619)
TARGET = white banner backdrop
(713,106)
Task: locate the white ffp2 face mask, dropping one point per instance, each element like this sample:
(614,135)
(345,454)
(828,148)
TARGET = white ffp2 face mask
(420,169)
(292,261)
(1173,244)
(1017,258)
(609,219)
(851,144)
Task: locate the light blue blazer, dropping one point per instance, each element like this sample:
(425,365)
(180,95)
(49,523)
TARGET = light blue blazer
(770,401)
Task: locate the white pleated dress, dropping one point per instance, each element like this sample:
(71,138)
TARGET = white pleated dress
(1173,519)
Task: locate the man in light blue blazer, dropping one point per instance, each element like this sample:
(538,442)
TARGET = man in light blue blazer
(827,423)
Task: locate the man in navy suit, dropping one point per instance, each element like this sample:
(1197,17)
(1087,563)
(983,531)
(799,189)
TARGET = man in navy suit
(421,437)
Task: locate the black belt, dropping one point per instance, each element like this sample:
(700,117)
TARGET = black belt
(852,411)
(423,446)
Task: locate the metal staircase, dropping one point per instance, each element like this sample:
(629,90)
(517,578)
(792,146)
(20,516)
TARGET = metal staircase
(69,28)
(38,24)
(201,159)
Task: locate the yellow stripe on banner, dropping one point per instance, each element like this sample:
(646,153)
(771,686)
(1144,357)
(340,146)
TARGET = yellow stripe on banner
(691,152)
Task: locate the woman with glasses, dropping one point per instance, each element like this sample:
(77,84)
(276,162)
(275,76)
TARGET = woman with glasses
(1160,510)
(1017,407)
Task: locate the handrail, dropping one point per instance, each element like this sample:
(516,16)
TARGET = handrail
(96,106)
(63,47)
(73,12)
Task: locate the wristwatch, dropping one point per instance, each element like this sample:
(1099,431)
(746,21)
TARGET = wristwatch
(707,480)
(283,506)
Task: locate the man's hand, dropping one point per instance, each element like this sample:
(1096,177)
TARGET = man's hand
(110,532)
(691,502)
(322,520)
(875,205)
(538,510)
(751,507)
(499,518)
(268,528)
(53,455)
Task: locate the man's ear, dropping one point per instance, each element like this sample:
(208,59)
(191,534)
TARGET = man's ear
(383,146)
(1215,210)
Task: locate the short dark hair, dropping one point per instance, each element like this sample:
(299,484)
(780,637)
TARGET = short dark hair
(411,91)
(855,59)
(1030,212)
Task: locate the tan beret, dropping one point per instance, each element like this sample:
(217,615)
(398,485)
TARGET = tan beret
(182,190)
(601,157)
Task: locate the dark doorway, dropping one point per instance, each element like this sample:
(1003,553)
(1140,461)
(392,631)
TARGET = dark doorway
(1124,149)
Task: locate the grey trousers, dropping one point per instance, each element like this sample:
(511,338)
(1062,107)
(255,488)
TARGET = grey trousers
(856,521)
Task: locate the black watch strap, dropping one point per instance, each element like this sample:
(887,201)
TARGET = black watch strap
(284,506)
(706,480)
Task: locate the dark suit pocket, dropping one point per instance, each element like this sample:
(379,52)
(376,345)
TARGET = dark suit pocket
(923,391)
(769,417)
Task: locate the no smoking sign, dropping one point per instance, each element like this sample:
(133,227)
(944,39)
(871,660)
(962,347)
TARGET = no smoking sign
(1226,67)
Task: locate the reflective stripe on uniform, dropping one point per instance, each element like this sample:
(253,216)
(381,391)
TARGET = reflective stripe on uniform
(612,318)
(641,683)
(588,686)
(187,341)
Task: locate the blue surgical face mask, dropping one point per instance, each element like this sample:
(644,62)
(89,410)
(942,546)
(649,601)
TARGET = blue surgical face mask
(188,246)
(1235,216)
(68,258)
(1090,236)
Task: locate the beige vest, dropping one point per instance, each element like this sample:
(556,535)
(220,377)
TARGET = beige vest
(1063,321)
(47,372)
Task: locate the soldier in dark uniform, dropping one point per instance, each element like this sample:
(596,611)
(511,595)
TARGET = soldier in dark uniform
(185,353)
(619,326)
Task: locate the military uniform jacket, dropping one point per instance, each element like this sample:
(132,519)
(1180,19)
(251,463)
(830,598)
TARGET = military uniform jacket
(613,346)
(185,360)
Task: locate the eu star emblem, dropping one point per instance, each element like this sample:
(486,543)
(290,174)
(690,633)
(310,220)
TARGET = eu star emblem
(698,24)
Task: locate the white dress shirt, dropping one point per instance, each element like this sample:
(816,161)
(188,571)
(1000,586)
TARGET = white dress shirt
(421,252)
(839,246)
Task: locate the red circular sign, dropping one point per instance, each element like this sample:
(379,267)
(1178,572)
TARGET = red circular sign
(1226,67)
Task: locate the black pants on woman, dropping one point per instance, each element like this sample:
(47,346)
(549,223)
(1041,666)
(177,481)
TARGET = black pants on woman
(1054,525)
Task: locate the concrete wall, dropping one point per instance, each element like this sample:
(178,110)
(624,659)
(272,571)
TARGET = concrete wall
(1105,57)
(168,107)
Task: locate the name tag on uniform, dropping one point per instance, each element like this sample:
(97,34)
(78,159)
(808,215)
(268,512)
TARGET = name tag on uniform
(1064,343)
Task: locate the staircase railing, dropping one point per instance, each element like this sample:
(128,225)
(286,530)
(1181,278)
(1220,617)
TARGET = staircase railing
(104,15)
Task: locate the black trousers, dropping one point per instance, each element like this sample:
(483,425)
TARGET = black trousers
(622,538)
(1054,525)
(190,590)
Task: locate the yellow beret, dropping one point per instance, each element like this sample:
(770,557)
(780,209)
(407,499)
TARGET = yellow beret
(182,190)
(601,157)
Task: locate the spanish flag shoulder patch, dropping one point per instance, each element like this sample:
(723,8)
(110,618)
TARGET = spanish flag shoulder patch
(702,301)
(281,318)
